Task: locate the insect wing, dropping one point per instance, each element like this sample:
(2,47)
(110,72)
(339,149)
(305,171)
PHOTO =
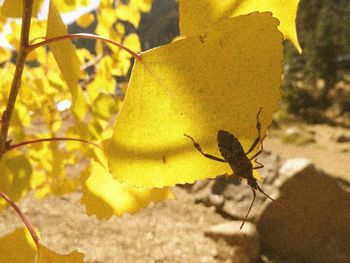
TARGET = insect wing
(229,146)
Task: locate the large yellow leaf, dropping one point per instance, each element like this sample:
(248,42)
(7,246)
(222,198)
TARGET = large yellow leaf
(196,86)
(103,196)
(66,58)
(197,15)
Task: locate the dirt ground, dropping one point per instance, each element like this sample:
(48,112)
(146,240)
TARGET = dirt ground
(170,231)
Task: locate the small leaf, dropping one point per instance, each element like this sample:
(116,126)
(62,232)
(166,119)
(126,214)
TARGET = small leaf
(66,58)
(14,8)
(103,196)
(104,106)
(197,15)
(19,246)
(86,20)
(196,86)
(15,176)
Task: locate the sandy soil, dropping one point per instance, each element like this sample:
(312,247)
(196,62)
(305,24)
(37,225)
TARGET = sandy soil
(325,152)
(170,231)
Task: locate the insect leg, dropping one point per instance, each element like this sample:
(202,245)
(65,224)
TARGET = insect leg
(259,166)
(255,143)
(250,208)
(198,147)
(276,202)
(258,128)
(261,148)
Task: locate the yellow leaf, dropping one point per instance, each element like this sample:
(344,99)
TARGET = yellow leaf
(14,8)
(129,13)
(15,174)
(71,5)
(196,86)
(45,255)
(66,58)
(196,16)
(104,106)
(17,246)
(86,20)
(103,196)
(5,55)
(132,42)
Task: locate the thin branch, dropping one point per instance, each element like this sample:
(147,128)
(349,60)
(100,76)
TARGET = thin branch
(16,81)
(84,35)
(13,146)
(25,220)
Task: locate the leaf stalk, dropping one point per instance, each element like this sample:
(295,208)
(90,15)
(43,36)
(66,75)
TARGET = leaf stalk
(13,146)
(83,35)
(25,220)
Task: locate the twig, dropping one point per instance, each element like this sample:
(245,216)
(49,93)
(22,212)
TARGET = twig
(25,220)
(84,35)
(16,81)
(13,146)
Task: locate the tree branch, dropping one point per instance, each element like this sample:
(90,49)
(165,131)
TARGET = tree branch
(16,81)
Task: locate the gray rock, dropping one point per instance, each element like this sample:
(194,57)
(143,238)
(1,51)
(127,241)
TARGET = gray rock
(318,228)
(241,245)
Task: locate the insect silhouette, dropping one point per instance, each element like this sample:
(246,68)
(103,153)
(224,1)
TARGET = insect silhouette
(234,154)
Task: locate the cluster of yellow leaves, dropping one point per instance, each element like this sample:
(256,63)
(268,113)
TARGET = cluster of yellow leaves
(94,101)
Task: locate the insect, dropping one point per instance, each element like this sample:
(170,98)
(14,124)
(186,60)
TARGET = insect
(234,154)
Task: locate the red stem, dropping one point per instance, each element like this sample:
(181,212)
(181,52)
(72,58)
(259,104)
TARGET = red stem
(25,220)
(83,35)
(13,146)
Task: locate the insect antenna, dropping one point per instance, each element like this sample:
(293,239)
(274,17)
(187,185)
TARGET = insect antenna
(269,197)
(250,208)
(278,203)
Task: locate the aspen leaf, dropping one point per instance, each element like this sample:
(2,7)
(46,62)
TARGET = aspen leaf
(15,174)
(46,255)
(86,20)
(14,8)
(196,86)
(197,15)
(66,58)
(17,246)
(104,196)
(104,106)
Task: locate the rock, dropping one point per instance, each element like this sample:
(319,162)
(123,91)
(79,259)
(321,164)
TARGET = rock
(199,185)
(294,135)
(342,138)
(232,197)
(216,200)
(318,228)
(272,164)
(240,245)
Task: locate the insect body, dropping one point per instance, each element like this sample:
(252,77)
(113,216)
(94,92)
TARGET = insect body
(234,154)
